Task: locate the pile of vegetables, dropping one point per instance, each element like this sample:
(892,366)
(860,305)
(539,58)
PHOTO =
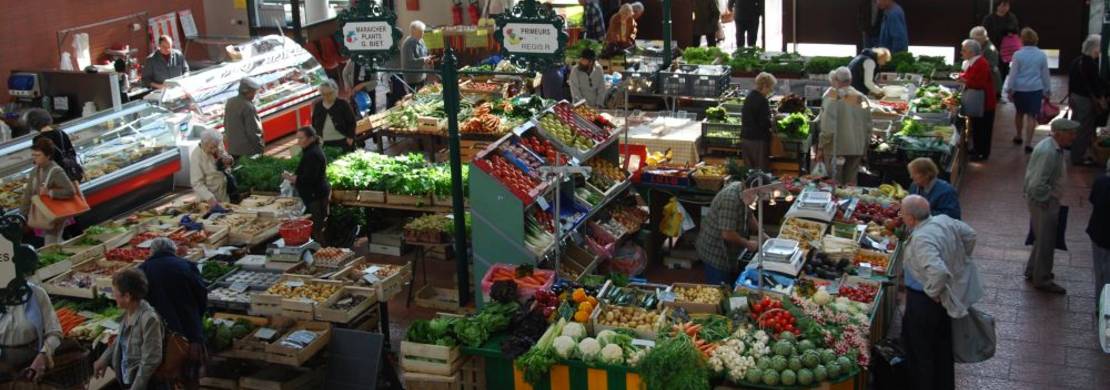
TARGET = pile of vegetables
(472,331)
(788,63)
(718,114)
(573,52)
(823,65)
(220,334)
(794,127)
(50,257)
(262,173)
(405,175)
(440,223)
(213,270)
(674,363)
(747,60)
(703,55)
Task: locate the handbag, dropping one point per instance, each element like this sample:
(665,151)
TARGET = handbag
(55,209)
(973,102)
(1061,231)
(1049,111)
(973,337)
(176,351)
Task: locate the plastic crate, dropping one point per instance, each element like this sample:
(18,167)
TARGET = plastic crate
(708,86)
(673,84)
(720,134)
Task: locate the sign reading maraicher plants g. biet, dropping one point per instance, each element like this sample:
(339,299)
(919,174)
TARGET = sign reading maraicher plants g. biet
(531,36)
(368,33)
(364,36)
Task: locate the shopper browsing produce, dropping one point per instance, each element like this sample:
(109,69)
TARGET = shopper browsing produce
(1087,97)
(180,299)
(586,81)
(414,56)
(725,232)
(1027,85)
(976,78)
(593,20)
(310,179)
(845,127)
(622,30)
(46,179)
(137,350)
(242,125)
(893,34)
(29,332)
(942,197)
(990,52)
(756,123)
(864,70)
(1044,179)
(65,155)
(942,283)
(205,174)
(164,64)
(333,118)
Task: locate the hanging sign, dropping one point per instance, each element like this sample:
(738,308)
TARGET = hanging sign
(531,36)
(7,261)
(368,33)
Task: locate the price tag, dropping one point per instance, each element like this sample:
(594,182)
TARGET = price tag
(543,203)
(239,287)
(307,257)
(371,269)
(666,296)
(144,244)
(738,303)
(345,301)
(265,333)
(370,278)
(294,283)
(221,321)
(574,161)
(643,343)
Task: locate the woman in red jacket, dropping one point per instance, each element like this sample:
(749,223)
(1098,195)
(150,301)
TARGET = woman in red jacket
(977,76)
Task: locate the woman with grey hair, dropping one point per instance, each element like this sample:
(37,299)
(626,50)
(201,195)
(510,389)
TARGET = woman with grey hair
(206,175)
(845,127)
(333,118)
(979,34)
(755,117)
(977,77)
(1087,92)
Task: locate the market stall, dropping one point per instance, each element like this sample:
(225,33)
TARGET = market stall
(129,155)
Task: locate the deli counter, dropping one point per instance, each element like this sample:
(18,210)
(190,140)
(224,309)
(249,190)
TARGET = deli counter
(288,74)
(129,155)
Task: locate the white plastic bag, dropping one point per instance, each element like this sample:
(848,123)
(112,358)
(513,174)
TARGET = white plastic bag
(81,50)
(819,169)
(287,188)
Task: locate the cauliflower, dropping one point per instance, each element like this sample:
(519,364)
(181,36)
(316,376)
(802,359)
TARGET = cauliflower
(821,297)
(603,336)
(588,348)
(612,354)
(574,330)
(564,346)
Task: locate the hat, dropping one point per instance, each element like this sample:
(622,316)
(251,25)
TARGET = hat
(1064,125)
(247,84)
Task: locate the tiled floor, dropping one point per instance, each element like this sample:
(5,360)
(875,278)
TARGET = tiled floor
(1044,341)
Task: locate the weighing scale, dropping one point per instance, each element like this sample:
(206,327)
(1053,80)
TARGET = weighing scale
(280,253)
(782,256)
(815,205)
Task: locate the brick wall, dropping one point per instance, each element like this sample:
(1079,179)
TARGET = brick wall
(29,29)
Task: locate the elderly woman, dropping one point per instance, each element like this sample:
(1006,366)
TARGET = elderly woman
(865,67)
(977,77)
(310,180)
(942,197)
(1027,85)
(1088,97)
(622,30)
(979,34)
(333,118)
(46,179)
(137,351)
(30,332)
(756,124)
(206,169)
(845,127)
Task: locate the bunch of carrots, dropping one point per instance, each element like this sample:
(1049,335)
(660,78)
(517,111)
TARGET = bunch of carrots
(532,280)
(69,319)
(691,329)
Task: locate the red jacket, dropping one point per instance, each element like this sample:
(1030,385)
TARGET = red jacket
(978,76)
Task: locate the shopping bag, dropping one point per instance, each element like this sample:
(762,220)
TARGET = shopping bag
(819,170)
(1061,231)
(972,102)
(973,337)
(46,208)
(1049,111)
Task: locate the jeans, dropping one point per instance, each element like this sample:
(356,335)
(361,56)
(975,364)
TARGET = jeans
(927,334)
(716,276)
(1102,270)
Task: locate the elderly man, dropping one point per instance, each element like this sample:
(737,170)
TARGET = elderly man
(845,127)
(206,169)
(725,232)
(893,34)
(242,125)
(977,77)
(593,20)
(942,197)
(990,52)
(586,80)
(164,64)
(622,30)
(865,67)
(414,56)
(1088,97)
(747,14)
(180,296)
(941,284)
(1044,180)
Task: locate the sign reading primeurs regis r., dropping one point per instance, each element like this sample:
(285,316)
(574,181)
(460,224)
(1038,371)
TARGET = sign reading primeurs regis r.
(368,36)
(532,38)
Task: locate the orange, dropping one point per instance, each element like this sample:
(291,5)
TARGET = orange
(581,316)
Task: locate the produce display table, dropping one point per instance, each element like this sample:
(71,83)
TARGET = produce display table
(568,374)
(680,135)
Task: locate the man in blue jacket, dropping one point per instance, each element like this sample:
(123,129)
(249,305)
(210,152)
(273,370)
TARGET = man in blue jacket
(179,295)
(893,34)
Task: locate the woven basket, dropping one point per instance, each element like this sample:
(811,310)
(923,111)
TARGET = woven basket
(72,368)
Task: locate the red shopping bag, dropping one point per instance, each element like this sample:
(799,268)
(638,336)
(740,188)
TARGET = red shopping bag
(1049,111)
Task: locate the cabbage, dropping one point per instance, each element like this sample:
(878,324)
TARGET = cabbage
(612,354)
(564,346)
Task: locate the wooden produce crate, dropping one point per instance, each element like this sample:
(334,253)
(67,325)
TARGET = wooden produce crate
(429,358)
(595,326)
(325,312)
(695,307)
(472,373)
(280,354)
(385,288)
(408,200)
(251,347)
(282,378)
(101,284)
(371,197)
(295,308)
(60,267)
(344,196)
(431,125)
(417,380)
(437,298)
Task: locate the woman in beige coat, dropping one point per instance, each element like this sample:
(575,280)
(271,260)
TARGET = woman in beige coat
(207,180)
(845,125)
(47,178)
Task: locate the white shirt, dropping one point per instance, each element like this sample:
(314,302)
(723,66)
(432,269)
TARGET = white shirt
(869,76)
(16,329)
(588,86)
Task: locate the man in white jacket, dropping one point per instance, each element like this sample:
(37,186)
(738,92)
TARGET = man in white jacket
(942,282)
(586,81)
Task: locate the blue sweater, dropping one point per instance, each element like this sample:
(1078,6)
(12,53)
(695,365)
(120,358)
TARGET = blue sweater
(177,293)
(942,198)
(893,34)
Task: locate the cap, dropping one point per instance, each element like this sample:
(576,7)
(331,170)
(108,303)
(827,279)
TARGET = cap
(1064,125)
(248,84)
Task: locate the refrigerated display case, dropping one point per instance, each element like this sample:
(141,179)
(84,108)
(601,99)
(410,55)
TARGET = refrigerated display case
(129,155)
(289,76)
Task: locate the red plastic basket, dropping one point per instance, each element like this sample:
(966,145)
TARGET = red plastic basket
(295,232)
